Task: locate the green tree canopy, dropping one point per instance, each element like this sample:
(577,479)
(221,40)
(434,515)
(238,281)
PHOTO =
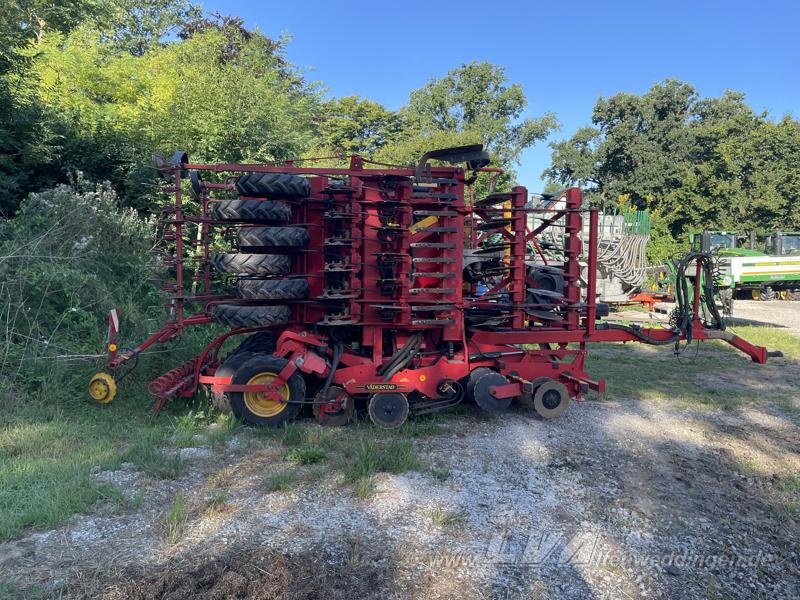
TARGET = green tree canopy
(472,103)
(222,95)
(697,162)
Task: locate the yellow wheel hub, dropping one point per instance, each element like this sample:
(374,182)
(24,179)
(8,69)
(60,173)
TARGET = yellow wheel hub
(784,294)
(257,402)
(102,388)
(756,294)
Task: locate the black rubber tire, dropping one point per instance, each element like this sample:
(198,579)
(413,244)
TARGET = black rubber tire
(251,210)
(272,289)
(220,400)
(261,363)
(262,342)
(235,316)
(273,184)
(281,237)
(252,264)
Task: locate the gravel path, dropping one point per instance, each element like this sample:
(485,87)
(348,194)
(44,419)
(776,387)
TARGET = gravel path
(617,499)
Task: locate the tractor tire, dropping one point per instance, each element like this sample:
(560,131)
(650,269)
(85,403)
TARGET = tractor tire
(262,342)
(281,237)
(236,316)
(252,407)
(273,184)
(251,210)
(767,294)
(235,359)
(272,289)
(252,264)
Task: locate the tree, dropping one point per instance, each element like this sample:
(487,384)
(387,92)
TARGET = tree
(696,162)
(475,103)
(352,125)
(137,25)
(221,95)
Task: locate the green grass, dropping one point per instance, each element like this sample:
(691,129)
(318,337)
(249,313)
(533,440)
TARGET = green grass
(282,481)
(217,500)
(708,377)
(789,483)
(773,338)
(306,455)
(364,458)
(48,448)
(175,520)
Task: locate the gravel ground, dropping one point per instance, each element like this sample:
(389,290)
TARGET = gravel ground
(619,498)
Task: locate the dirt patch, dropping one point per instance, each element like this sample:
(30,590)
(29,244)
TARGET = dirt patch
(257,574)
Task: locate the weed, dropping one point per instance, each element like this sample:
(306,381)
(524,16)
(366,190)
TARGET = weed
(421,427)
(369,456)
(789,483)
(442,517)
(175,521)
(306,455)
(282,481)
(217,500)
(440,474)
(154,461)
(364,486)
(291,434)
(188,427)
(221,429)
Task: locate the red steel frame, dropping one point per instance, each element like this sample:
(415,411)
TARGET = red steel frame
(426,280)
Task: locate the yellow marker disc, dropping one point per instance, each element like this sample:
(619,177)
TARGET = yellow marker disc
(102,388)
(112,347)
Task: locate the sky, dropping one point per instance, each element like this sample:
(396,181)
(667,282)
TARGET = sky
(565,53)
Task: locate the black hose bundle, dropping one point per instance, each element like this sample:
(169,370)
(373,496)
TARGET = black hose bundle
(338,350)
(706,283)
(684,312)
(402,357)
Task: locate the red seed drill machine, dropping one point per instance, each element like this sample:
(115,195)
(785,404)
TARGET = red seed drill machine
(378,286)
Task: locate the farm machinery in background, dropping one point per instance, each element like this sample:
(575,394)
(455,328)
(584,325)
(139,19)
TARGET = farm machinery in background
(622,270)
(745,272)
(349,287)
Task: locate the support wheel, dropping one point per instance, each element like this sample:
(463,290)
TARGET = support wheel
(526,400)
(551,399)
(388,410)
(483,396)
(253,407)
(102,388)
(335,408)
(220,400)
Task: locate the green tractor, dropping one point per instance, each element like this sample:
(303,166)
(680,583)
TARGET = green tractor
(744,272)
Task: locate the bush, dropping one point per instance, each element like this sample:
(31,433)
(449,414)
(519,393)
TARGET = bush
(68,257)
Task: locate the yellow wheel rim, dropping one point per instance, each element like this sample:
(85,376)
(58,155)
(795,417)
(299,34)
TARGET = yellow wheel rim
(258,404)
(756,294)
(784,294)
(102,388)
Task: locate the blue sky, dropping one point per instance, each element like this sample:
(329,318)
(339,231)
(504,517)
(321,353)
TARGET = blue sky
(565,54)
